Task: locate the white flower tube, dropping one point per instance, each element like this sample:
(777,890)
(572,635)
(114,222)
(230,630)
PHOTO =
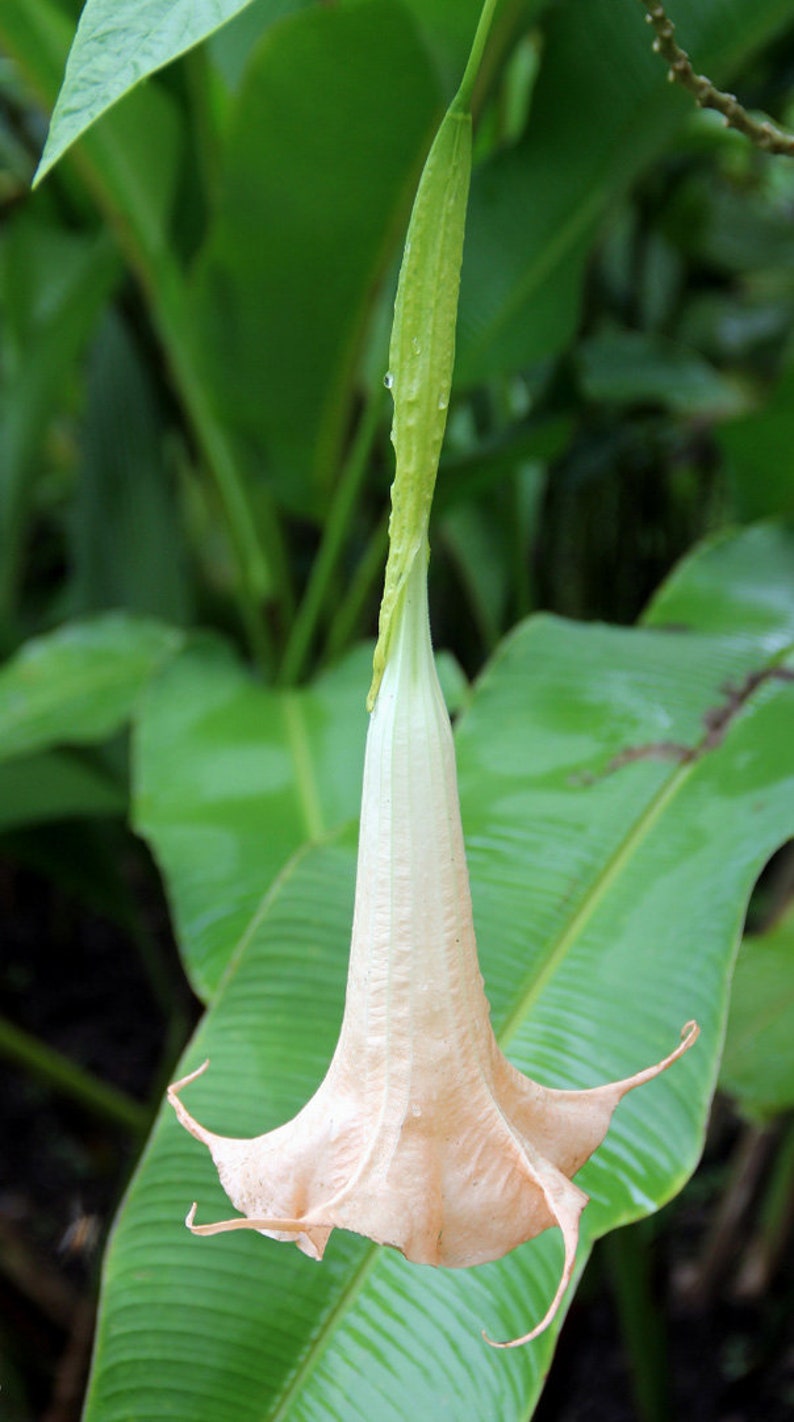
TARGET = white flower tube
(422,1135)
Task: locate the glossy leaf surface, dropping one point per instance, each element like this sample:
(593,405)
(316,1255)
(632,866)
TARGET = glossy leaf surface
(735,585)
(116,46)
(130,161)
(609,881)
(232,778)
(79,684)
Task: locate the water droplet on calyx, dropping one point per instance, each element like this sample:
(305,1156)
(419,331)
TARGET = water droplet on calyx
(388,380)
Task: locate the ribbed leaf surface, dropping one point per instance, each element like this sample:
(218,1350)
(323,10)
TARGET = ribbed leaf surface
(79,684)
(232,778)
(613,838)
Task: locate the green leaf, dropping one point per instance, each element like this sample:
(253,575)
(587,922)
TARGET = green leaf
(231,778)
(232,46)
(118,43)
(735,585)
(332,119)
(758,1062)
(132,176)
(610,880)
(56,785)
(130,163)
(79,684)
(637,368)
(601,109)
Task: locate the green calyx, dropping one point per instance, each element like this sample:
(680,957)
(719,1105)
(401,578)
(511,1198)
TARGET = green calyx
(422,349)
(422,355)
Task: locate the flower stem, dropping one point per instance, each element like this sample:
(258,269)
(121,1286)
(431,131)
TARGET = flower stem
(463,97)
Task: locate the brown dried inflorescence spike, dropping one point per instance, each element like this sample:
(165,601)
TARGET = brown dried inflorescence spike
(422,1135)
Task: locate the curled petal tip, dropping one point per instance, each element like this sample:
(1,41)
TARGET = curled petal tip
(191,1215)
(515,1342)
(183,1115)
(176,1086)
(689,1035)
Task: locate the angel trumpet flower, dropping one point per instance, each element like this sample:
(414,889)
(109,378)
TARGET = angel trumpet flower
(422,1135)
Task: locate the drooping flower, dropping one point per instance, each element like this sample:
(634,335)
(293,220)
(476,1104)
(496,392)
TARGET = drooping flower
(422,1135)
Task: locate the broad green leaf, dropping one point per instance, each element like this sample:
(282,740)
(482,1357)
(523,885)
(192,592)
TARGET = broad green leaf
(758,1062)
(610,881)
(636,368)
(735,585)
(329,127)
(130,161)
(79,684)
(601,109)
(231,778)
(118,43)
(56,785)
(232,46)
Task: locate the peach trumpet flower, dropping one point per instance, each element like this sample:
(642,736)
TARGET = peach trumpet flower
(422,1135)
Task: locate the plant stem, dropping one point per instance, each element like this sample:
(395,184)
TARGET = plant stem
(762,132)
(348,614)
(333,540)
(463,97)
(71,1080)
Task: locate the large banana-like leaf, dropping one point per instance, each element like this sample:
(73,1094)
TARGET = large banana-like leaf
(740,586)
(618,805)
(232,778)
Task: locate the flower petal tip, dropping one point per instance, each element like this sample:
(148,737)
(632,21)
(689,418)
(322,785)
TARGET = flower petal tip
(176,1086)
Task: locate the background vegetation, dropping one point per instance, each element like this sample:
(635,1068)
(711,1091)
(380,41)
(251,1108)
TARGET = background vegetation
(194,465)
